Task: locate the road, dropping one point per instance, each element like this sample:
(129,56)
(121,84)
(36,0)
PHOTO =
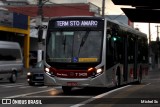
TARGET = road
(146,94)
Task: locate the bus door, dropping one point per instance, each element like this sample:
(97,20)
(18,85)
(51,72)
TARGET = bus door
(132,56)
(135,59)
(125,63)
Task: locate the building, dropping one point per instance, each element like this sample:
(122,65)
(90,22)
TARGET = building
(49,10)
(15,27)
(15,2)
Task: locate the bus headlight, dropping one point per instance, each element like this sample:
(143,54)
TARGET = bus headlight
(49,72)
(93,72)
(99,70)
(47,69)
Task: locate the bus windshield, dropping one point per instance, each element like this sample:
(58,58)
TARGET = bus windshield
(74,46)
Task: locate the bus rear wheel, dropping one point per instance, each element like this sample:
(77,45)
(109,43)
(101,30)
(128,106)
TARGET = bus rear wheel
(140,77)
(118,78)
(66,89)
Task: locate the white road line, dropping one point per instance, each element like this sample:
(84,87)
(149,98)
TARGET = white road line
(13,84)
(58,96)
(22,95)
(25,87)
(98,96)
(10,86)
(43,87)
(148,84)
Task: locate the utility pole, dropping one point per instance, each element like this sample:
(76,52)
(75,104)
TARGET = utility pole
(149,31)
(149,49)
(40,30)
(157,33)
(158,45)
(103,8)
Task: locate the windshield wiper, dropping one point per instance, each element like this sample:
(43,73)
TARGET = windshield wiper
(64,43)
(83,41)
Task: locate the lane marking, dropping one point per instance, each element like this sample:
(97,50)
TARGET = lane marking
(22,95)
(25,87)
(148,84)
(13,84)
(43,87)
(58,96)
(101,95)
(98,96)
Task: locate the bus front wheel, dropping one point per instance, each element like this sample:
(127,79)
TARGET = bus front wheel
(66,89)
(140,76)
(118,78)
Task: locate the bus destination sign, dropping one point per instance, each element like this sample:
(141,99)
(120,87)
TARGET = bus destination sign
(76,23)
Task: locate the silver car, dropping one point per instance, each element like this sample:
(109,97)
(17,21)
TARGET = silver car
(36,74)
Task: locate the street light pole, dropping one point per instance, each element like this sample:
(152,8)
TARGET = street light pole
(103,8)
(149,47)
(158,45)
(40,30)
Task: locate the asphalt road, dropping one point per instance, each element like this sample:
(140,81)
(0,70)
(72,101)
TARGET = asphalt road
(146,94)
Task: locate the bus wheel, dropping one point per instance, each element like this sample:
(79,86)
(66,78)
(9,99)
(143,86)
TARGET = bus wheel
(139,80)
(140,77)
(13,78)
(66,89)
(118,79)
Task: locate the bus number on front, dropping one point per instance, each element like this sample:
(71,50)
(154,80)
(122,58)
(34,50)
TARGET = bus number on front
(81,74)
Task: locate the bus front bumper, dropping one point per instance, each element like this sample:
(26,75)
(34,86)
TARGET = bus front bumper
(98,81)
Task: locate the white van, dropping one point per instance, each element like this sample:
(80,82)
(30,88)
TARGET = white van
(11,60)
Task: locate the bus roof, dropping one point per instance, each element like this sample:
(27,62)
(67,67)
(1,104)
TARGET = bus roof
(128,28)
(79,17)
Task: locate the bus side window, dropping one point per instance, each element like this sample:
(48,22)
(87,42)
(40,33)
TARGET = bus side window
(109,54)
(131,49)
(118,48)
(142,50)
(115,48)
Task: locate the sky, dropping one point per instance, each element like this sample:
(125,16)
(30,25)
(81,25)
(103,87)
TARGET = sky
(111,9)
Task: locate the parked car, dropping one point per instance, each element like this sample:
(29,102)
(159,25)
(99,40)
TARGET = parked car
(36,74)
(11,61)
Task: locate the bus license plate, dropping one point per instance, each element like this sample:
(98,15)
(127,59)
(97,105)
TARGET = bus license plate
(71,83)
